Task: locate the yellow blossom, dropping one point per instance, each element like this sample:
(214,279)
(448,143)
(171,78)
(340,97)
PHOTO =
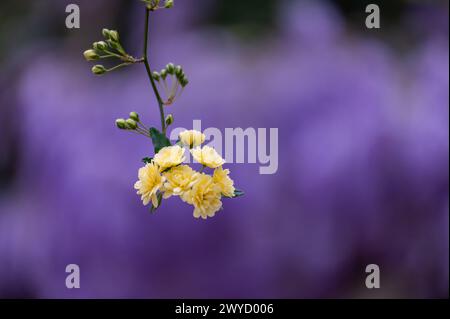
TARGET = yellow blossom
(169,156)
(221,178)
(178,180)
(192,138)
(207,156)
(150,181)
(204,196)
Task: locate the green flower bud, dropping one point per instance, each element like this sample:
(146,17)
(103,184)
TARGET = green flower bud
(113,44)
(178,71)
(170,68)
(169,4)
(121,124)
(184,81)
(134,116)
(100,46)
(114,35)
(156,76)
(181,76)
(98,69)
(105,33)
(152,4)
(116,46)
(131,124)
(169,119)
(163,74)
(91,55)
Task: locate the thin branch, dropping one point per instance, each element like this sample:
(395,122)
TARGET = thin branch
(149,72)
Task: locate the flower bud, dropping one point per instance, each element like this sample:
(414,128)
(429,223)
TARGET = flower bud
(105,33)
(152,4)
(134,116)
(121,124)
(184,81)
(170,68)
(98,69)
(178,71)
(114,35)
(169,4)
(163,74)
(169,119)
(91,55)
(156,76)
(131,124)
(100,46)
(113,44)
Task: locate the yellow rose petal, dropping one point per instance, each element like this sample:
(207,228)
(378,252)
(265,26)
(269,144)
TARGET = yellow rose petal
(169,156)
(207,156)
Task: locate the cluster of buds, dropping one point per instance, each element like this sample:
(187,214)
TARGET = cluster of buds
(172,80)
(110,47)
(153,5)
(133,123)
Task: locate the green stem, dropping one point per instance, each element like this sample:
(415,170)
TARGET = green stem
(142,131)
(113,54)
(149,72)
(139,133)
(143,126)
(106,56)
(118,66)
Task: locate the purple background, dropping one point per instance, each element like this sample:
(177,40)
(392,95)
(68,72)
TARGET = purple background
(363,118)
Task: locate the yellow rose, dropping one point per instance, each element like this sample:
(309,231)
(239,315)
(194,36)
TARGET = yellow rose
(178,180)
(221,178)
(192,138)
(207,156)
(169,156)
(150,181)
(204,196)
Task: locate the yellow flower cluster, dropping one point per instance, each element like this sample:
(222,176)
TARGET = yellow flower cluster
(166,176)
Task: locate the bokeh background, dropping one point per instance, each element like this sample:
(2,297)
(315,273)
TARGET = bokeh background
(363,118)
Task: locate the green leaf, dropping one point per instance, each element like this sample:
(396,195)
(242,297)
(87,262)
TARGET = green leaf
(159,139)
(238,193)
(147,160)
(153,208)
